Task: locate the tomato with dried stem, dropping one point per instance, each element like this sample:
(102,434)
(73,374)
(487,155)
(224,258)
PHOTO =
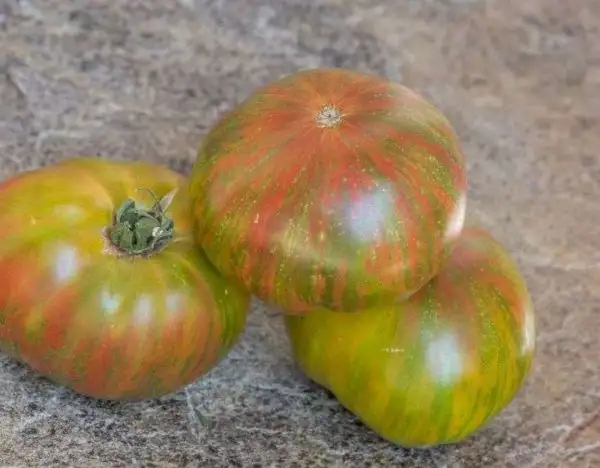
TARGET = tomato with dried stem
(330,188)
(102,288)
(440,366)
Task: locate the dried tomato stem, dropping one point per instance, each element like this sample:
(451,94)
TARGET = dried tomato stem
(140,231)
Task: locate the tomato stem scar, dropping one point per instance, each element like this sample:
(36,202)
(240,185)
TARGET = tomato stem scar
(329,117)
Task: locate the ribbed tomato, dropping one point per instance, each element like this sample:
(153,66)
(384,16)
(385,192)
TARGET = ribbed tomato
(438,367)
(329,188)
(101,287)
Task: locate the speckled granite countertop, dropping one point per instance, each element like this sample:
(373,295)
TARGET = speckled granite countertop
(144,79)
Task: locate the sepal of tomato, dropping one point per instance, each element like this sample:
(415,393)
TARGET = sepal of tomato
(103,321)
(438,367)
(330,188)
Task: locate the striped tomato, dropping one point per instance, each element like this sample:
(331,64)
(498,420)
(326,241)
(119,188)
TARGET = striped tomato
(438,367)
(101,287)
(329,188)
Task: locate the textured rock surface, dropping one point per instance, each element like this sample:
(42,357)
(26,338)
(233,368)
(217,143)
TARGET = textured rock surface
(145,79)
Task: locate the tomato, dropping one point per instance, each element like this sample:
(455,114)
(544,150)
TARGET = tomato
(437,367)
(102,288)
(329,188)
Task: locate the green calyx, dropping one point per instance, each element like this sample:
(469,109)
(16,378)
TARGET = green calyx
(140,231)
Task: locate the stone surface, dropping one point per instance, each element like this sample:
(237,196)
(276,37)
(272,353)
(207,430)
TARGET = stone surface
(145,79)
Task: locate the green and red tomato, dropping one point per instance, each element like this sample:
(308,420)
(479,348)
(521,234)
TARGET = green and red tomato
(102,288)
(329,188)
(438,367)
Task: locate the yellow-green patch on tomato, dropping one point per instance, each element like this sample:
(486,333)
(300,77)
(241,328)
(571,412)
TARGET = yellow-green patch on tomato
(435,368)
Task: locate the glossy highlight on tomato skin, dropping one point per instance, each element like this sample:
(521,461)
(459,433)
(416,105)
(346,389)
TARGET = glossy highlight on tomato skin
(108,326)
(330,188)
(437,368)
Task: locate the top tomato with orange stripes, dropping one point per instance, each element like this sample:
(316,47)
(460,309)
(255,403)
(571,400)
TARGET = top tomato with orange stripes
(102,288)
(330,188)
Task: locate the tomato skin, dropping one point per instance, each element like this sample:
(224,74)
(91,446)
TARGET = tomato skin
(344,217)
(106,326)
(438,367)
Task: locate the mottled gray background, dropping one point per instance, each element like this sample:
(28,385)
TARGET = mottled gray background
(520,80)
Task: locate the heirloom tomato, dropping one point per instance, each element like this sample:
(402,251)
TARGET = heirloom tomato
(101,286)
(437,367)
(329,188)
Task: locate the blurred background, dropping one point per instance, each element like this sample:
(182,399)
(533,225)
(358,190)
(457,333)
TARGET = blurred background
(132,79)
